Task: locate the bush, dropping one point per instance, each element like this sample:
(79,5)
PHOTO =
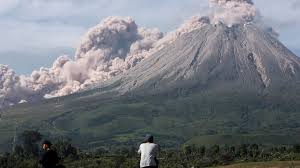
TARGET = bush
(64,149)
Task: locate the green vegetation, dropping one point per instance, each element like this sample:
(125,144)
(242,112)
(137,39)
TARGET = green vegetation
(273,164)
(25,155)
(207,118)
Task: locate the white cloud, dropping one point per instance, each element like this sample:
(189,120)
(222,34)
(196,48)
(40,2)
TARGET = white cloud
(6,5)
(34,24)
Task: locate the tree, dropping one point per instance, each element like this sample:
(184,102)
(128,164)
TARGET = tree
(243,150)
(187,149)
(202,151)
(29,141)
(282,149)
(18,151)
(101,151)
(296,148)
(215,150)
(64,149)
(254,150)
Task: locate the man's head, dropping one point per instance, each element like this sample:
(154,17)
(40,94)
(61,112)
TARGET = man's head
(149,139)
(47,145)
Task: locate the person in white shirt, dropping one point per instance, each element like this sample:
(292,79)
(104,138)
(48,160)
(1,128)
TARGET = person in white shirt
(149,152)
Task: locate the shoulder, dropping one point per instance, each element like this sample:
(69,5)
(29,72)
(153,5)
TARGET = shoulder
(152,145)
(156,145)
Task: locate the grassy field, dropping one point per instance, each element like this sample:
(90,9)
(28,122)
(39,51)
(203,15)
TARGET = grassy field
(274,164)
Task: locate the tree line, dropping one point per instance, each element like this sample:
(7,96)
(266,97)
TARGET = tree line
(26,154)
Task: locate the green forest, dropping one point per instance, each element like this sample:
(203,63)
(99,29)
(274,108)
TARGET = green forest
(26,154)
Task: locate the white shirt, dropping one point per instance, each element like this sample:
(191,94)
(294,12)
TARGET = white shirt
(148,153)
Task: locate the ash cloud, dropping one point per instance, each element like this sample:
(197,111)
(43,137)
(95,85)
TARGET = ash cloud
(109,49)
(235,12)
(232,12)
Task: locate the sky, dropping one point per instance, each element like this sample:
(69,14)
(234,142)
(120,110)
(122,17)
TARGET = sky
(35,32)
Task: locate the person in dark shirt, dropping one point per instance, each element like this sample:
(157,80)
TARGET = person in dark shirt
(49,159)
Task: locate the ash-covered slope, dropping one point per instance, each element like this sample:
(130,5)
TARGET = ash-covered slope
(215,56)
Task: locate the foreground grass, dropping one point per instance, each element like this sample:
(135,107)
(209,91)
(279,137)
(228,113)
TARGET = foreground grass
(273,164)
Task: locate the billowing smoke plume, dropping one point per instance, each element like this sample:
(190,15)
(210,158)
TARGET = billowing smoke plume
(109,49)
(232,12)
(195,22)
(13,87)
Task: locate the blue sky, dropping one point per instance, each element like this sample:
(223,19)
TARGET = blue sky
(34,32)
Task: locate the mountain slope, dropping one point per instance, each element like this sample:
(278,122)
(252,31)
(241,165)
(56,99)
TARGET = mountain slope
(215,81)
(93,121)
(214,56)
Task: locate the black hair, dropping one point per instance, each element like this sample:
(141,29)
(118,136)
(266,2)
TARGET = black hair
(47,143)
(149,139)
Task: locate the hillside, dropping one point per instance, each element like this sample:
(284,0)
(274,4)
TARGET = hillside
(217,84)
(91,120)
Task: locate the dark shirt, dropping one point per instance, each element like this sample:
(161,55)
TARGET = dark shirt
(49,159)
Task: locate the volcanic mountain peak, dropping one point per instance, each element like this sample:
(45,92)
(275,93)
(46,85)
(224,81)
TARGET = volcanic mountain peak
(221,74)
(243,55)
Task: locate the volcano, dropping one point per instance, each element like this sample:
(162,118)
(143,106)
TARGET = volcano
(242,57)
(217,84)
